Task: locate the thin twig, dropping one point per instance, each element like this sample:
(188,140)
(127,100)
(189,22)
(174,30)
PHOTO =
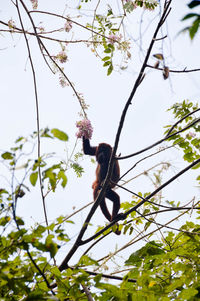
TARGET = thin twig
(68,19)
(40,35)
(159,141)
(133,241)
(87,292)
(165,226)
(175,71)
(37,112)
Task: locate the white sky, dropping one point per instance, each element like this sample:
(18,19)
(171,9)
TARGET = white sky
(106,97)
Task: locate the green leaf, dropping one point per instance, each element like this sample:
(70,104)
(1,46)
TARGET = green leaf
(59,134)
(107,50)
(188,293)
(110,69)
(106,64)
(193,3)
(85,260)
(106,58)
(7,156)
(33,178)
(111,46)
(196,166)
(193,29)
(4,220)
(150,249)
(190,16)
(61,175)
(50,245)
(20,221)
(188,157)
(78,169)
(55,271)
(19,139)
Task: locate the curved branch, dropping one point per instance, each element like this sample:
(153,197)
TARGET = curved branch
(39,171)
(159,188)
(68,19)
(110,276)
(37,111)
(139,78)
(163,225)
(159,141)
(41,35)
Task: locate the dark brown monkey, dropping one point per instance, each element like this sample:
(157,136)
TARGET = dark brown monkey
(103,153)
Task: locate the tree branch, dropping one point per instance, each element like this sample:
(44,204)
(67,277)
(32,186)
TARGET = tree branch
(160,141)
(175,71)
(159,188)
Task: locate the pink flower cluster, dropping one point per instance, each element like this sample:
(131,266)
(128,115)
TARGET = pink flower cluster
(114,38)
(85,129)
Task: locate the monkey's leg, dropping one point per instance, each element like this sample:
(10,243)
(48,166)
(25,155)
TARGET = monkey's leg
(103,206)
(114,197)
(104,210)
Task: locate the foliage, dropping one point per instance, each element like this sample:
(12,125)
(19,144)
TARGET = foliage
(162,270)
(168,270)
(192,29)
(187,140)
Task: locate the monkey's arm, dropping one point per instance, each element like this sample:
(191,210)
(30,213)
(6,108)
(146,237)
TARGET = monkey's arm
(87,149)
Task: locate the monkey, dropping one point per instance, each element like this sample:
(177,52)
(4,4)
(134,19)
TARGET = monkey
(103,153)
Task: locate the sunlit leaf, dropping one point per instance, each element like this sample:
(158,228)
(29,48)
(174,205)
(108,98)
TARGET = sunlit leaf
(59,134)
(33,178)
(193,29)
(159,56)
(7,156)
(110,69)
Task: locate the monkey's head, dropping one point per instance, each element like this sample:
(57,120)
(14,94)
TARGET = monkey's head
(103,153)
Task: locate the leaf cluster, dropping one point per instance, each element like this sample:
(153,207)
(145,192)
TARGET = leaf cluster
(194,27)
(188,141)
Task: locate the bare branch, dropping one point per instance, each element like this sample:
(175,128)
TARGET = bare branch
(41,35)
(159,188)
(37,112)
(159,141)
(163,225)
(87,292)
(175,71)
